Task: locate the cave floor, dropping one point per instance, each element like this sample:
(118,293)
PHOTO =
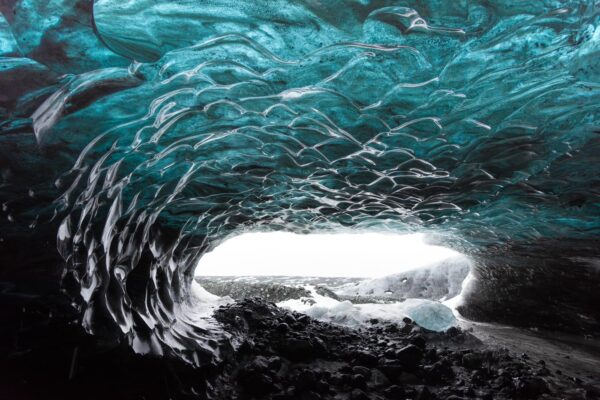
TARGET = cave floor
(576,357)
(286,355)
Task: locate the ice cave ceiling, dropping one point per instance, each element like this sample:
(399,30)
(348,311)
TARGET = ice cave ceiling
(141,133)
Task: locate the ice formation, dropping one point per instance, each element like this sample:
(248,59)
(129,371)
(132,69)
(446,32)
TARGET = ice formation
(439,281)
(429,314)
(142,133)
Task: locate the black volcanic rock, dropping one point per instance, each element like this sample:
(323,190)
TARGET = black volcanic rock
(325,361)
(409,356)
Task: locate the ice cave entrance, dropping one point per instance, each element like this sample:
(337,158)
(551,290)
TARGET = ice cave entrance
(357,255)
(346,278)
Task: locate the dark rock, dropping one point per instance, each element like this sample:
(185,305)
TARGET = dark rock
(322,387)
(274,363)
(423,393)
(452,331)
(283,327)
(364,371)
(358,394)
(368,359)
(378,379)
(409,356)
(472,360)
(390,369)
(419,341)
(300,349)
(394,392)
(310,395)
(529,388)
(438,372)
(306,380)
(390,353)
(358,381)
(256,383)
(406,378)
(336,379)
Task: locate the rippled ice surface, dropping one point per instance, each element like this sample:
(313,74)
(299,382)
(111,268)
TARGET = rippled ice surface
(142,133)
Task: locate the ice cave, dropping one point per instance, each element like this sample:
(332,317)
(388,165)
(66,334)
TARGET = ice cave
(137,136)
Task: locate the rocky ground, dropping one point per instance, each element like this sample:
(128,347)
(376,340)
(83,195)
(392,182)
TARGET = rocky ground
(287,355)
(45,354)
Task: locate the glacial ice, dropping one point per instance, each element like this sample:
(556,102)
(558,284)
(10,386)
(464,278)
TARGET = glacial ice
(429,314)
(147,131)
(438,281)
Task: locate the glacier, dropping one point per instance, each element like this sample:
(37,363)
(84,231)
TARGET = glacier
(136,136)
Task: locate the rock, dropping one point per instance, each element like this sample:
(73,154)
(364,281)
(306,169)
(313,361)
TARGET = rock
(358,394)
(390,353)
(452,331)
(409,356)
(419,341)
(390,369)
(438,372)
(297,349)
(472,360)
(336,379)
(394,392)
(283,328)
(407,378)
(529,388)
(319,346)
(274,363)
(368,359)
(322,387)
(289,319)
(358,381)
(256,383)
(423,393)
(306,380)
(364,371)
(378,379)
(310,395)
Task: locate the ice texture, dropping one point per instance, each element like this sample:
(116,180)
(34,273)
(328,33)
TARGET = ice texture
(439,281)
(143,133)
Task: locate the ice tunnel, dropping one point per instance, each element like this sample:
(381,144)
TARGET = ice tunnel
(135,136)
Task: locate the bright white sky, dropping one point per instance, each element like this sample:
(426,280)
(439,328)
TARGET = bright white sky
(331,255)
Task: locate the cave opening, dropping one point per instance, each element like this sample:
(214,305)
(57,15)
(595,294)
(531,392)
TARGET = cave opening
(345,254)
(345,277)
